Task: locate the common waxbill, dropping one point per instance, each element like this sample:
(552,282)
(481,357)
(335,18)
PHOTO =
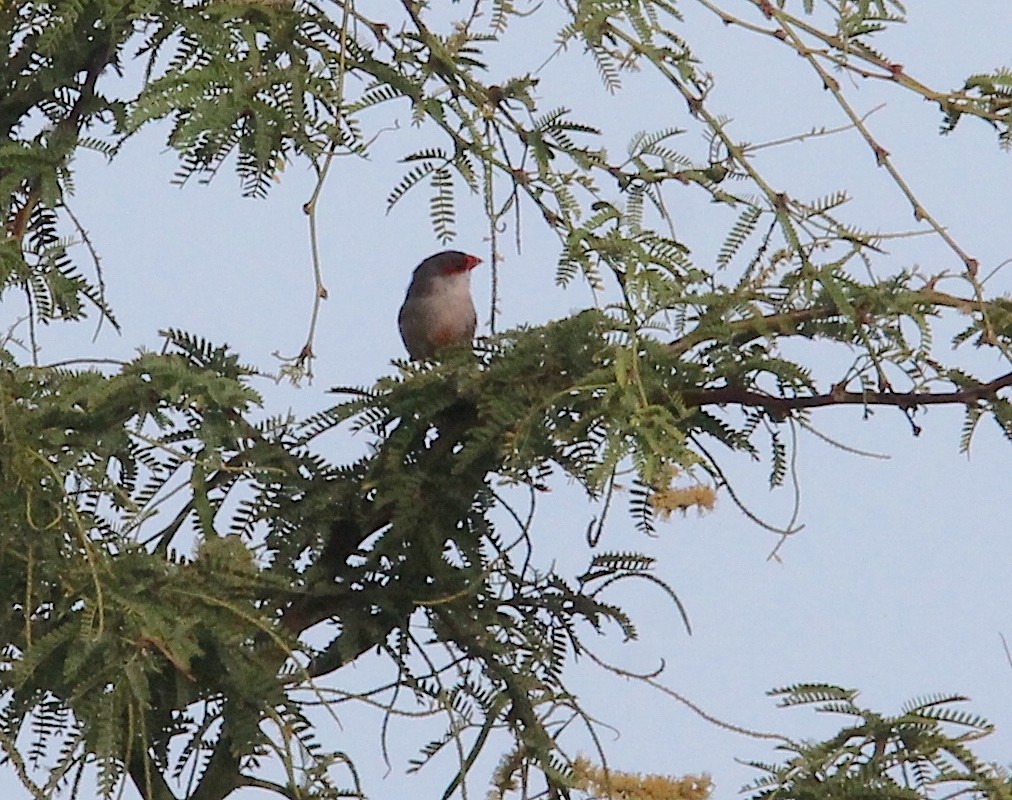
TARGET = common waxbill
(438,310)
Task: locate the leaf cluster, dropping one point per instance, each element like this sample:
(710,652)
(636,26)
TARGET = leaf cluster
(110,642)
(923,750)
(165,547)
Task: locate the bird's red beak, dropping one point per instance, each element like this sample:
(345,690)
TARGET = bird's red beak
(455,265)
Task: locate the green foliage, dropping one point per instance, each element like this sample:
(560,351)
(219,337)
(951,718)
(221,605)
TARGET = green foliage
(85,638)
(164,544)
(986,94)
(920,752)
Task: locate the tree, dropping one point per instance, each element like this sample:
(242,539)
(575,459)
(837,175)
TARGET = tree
(193,673)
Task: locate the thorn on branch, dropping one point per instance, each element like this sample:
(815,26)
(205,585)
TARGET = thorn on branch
(552,218)
(916,429)
(987,338)
(881,154)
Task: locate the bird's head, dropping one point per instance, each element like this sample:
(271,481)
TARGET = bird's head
(450,262)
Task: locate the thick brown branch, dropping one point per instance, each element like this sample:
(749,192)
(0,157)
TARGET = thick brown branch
(224,769)
(67,131)
(733,395)
(355,522)
(147,778)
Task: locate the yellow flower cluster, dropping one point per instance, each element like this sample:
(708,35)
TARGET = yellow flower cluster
(682,498)
(603,784)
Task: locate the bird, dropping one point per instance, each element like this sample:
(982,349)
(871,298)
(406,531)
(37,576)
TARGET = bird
(438,309)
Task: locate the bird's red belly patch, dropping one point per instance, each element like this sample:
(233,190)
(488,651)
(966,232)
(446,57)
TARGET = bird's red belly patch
(445,334)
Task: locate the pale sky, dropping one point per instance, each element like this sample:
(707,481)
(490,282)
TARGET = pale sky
(898,584)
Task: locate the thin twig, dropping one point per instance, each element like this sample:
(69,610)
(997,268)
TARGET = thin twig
(812,134)
(696,709)
(103,306)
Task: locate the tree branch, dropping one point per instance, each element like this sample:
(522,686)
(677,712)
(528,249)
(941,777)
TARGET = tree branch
(148,778)
(745,330)
(787,323)
(357,519)
(782,406)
